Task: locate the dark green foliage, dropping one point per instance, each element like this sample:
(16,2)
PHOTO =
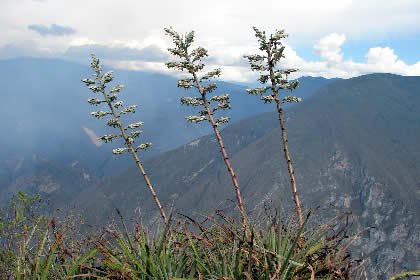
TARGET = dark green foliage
(116,111)
(219,249)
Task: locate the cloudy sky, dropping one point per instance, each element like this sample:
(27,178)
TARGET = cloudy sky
(329,38)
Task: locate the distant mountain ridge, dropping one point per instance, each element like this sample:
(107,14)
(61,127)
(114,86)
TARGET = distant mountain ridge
(47,121)
(45,109)
(355,146)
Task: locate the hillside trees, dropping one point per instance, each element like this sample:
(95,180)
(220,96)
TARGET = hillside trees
(190,61)
(277,80)
(129,132)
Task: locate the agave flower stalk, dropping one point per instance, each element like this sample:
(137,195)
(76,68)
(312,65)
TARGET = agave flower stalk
(116,110)
(191,62)
(277,79)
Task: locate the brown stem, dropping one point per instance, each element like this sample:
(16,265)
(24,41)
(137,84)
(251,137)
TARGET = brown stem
(284,137)
(228,165)
(136,158)
(289,162)
(222,149)
(149,185)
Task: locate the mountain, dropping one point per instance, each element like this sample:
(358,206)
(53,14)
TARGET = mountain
(45,113)
(48,122)
(55,181)
(355,145)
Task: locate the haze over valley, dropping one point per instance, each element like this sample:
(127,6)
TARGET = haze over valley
(353,125)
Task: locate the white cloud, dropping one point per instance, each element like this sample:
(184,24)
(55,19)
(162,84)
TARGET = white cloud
(329,47)
(83,41)
(381,56)
(229,21)
(235,67)
(138,65)
(384,60)
(332,64)
(224,27)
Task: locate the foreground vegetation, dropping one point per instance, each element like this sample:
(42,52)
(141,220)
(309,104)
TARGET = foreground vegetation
(219,247)
(34,247)
(39,248)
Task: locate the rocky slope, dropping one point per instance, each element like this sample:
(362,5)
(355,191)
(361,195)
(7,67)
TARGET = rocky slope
(355,144)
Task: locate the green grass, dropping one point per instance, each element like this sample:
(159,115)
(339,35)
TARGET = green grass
(219,248)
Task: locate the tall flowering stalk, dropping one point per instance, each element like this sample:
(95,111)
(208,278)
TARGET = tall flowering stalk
(273,80)
(116,110)
(190,61)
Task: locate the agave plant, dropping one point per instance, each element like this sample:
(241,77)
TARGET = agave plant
(210,105)
(274,80)
(277,251)
(142,257)
(116,110)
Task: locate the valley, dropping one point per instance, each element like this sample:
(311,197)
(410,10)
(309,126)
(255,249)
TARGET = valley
(355,145)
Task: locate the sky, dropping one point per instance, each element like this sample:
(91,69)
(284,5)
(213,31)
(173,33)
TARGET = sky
(328,38)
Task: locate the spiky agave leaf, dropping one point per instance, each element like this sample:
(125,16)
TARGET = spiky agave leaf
(108,77)
(282,72)
(94,88)
(144,146)
(222,120)
(129,109)
(111,97)
(209,88)
(222,106)
(108,137)
(189,38)
(185,83)
(291,99)
(119,151)
(256,91)
(267,98)
(135,134)
(219,98)
(211,74)
(100,114)
(135,125)
(95,64)
(88,82)
(118,104)
(116,88)
(255,57)
(94,101)
(195,119)
(263,78)
(287,85)
(193,101)
(178,65)
(112,123)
